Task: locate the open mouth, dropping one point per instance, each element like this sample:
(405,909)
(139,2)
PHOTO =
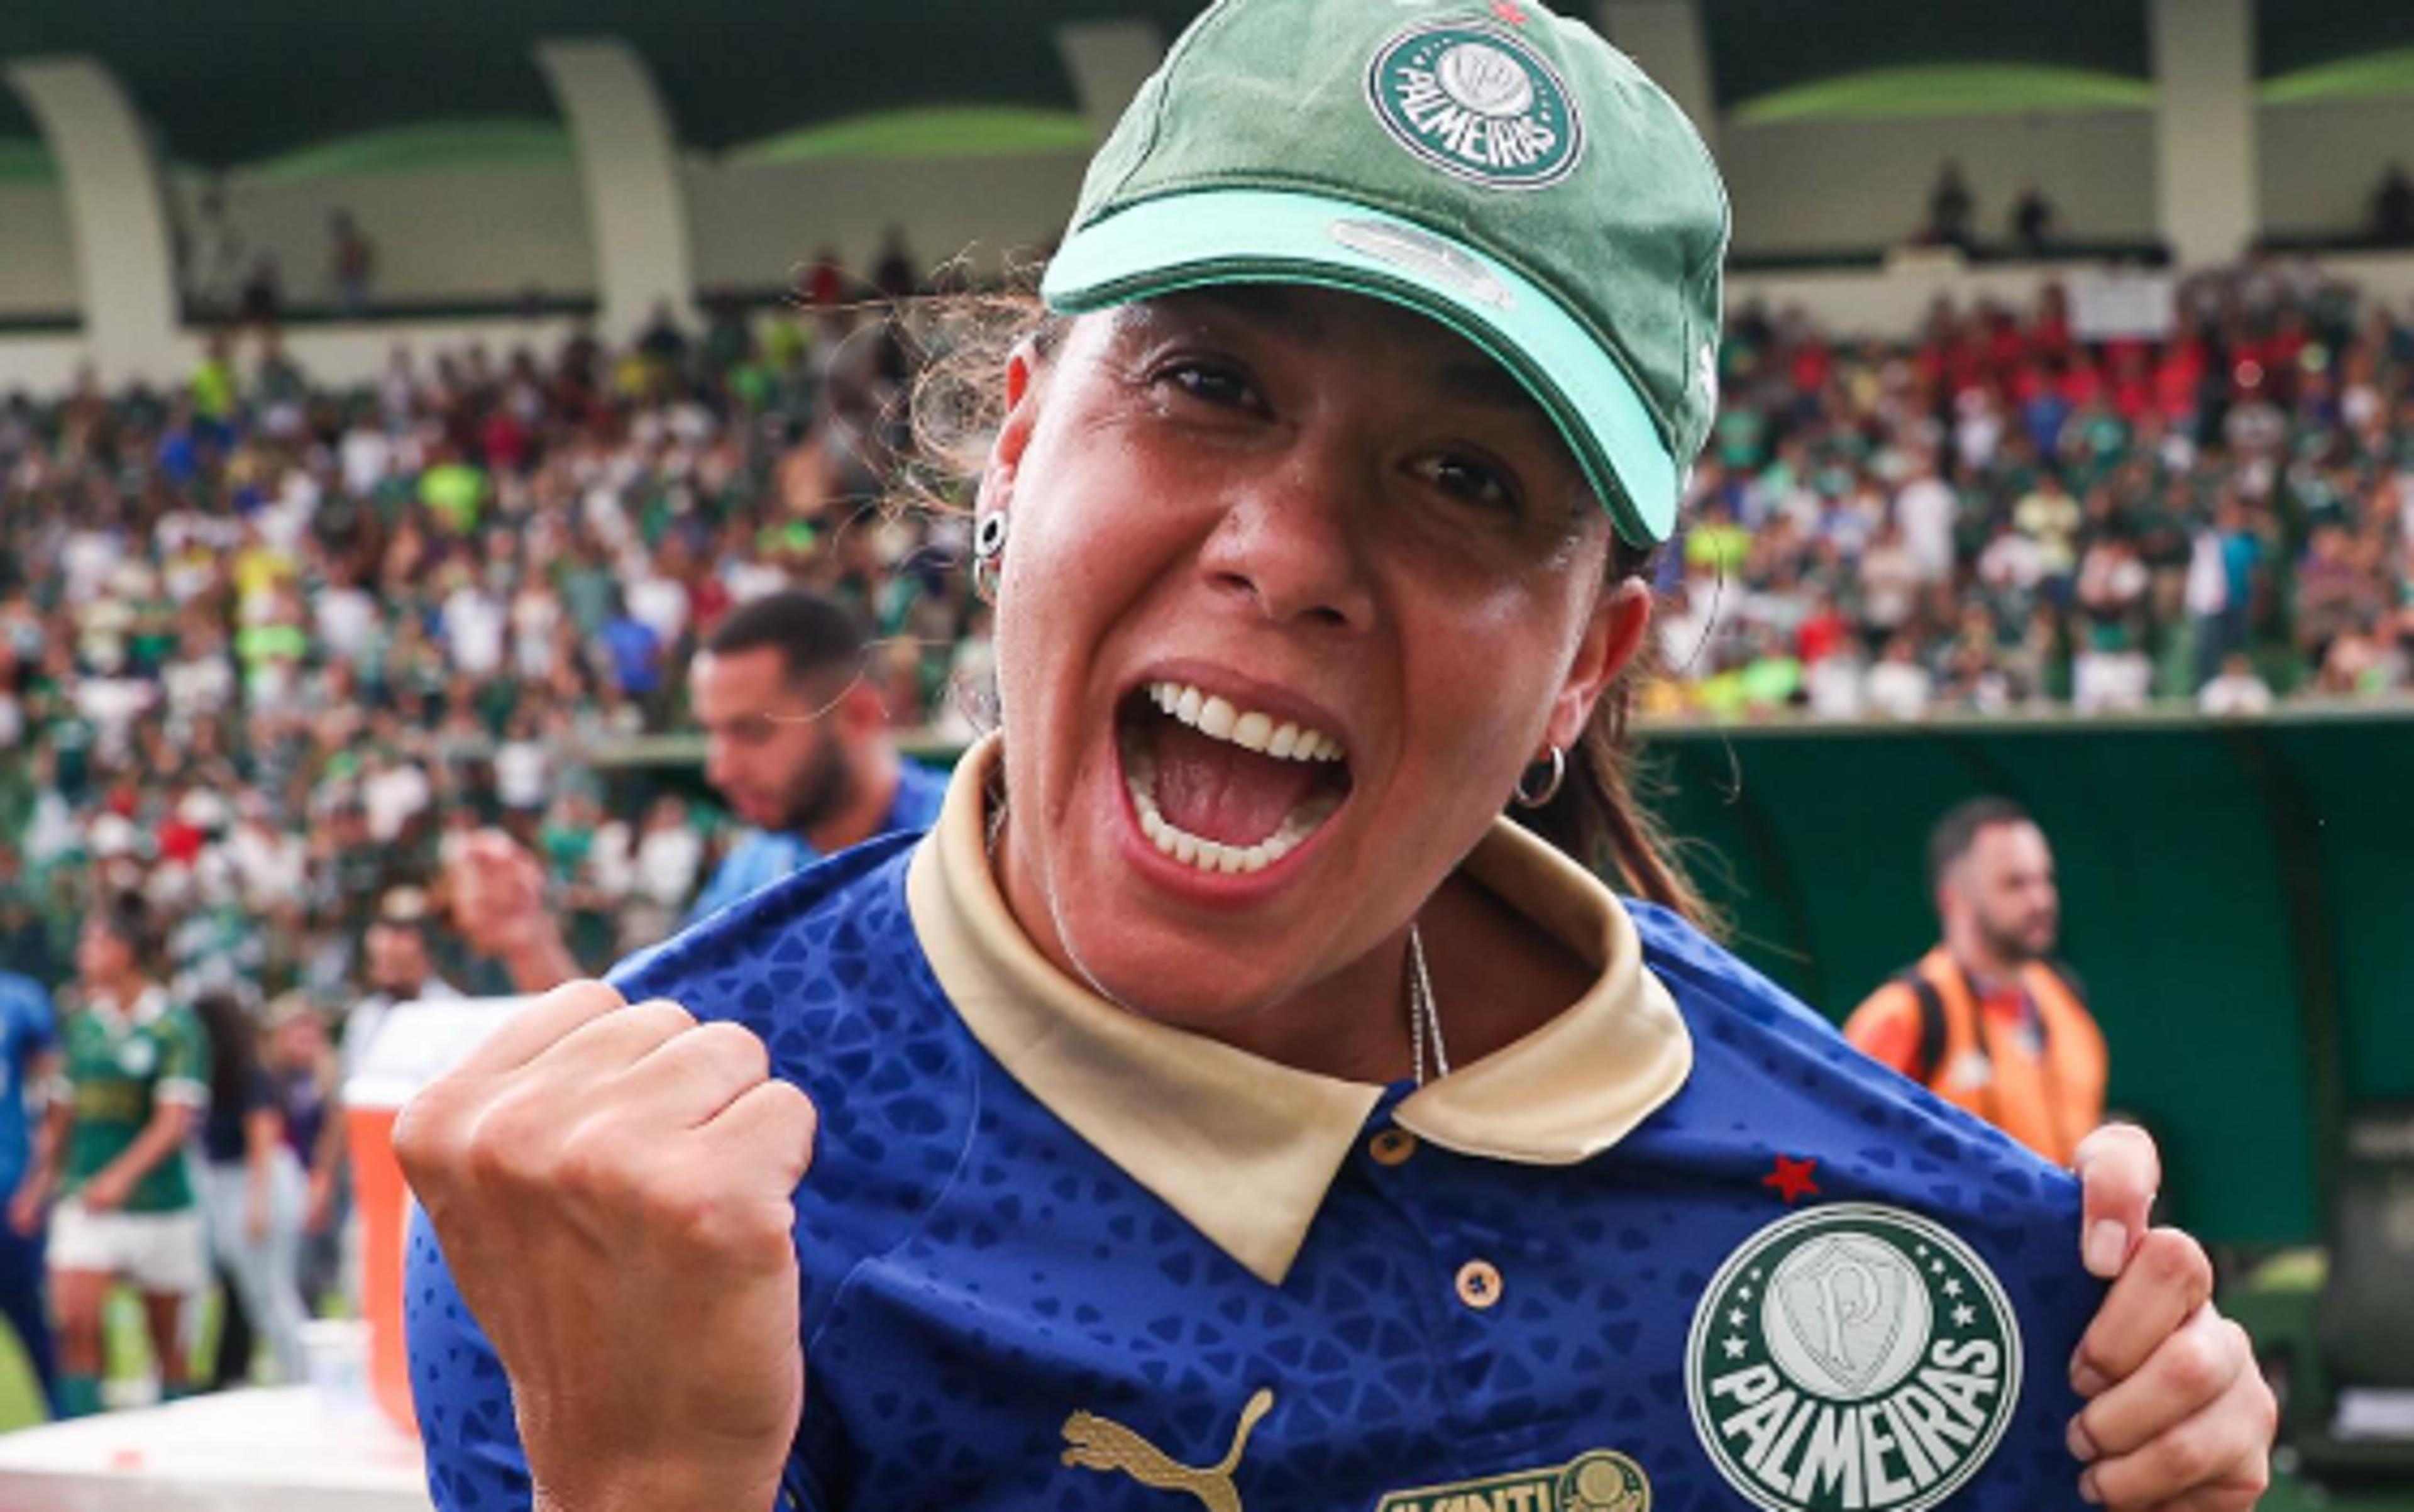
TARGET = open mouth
(1223,788)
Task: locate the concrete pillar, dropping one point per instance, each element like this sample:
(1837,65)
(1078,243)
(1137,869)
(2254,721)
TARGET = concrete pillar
(2205,169)
(628,164)
(117,215)
(1107,61)
(1665,37)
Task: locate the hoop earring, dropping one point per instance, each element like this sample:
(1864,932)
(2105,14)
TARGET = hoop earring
(988,547)
(1558,760)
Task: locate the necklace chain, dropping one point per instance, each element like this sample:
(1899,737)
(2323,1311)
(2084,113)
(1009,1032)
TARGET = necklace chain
(1425,1014)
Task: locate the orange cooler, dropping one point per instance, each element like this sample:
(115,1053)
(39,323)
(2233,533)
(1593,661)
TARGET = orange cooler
(417,1043)
(384,1206)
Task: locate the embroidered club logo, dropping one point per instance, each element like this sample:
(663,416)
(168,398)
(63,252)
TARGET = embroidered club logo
(1478,102)
(137,1056)
(1601,1481)
(1852,1358)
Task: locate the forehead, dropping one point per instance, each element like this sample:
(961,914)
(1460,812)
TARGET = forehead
(2016,845)
(737,676)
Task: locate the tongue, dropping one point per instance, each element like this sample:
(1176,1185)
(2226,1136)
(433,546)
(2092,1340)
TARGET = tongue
(1223,792)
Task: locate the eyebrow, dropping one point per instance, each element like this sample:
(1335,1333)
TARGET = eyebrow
(1274,310)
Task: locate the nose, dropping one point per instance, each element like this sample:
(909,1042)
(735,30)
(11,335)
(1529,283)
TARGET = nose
(1295,540)
(716,763)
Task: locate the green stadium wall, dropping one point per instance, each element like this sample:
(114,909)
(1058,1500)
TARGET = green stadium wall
(2236,896)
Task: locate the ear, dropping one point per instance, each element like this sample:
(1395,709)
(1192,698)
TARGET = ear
(1023,390)
(861,712)
(1611,638)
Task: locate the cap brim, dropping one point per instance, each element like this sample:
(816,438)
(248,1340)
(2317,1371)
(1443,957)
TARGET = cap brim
(1238,235)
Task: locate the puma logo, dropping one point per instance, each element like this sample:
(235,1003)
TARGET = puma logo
(1095,1443)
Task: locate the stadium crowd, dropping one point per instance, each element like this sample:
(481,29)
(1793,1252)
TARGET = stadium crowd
(271,651)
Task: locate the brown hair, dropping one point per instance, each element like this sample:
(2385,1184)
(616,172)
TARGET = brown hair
(1598,817)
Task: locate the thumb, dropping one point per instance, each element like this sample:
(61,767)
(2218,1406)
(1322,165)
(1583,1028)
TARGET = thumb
(2119,1172)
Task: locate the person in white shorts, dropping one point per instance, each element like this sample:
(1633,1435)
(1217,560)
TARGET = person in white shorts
(133,1071)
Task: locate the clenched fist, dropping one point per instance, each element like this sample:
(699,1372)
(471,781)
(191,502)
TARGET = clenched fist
(612,1186)
(498,904)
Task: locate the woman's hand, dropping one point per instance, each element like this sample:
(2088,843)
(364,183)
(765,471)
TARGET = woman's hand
(612,1188)
(322,1201)
(28,1209)
(106,1191)
(2177,1414)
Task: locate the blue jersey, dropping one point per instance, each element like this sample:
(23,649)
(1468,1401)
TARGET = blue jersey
(28,1029)
(1681,1247)
(764,856)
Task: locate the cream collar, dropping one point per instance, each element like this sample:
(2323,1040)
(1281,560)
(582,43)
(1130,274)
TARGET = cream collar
(1243,1148)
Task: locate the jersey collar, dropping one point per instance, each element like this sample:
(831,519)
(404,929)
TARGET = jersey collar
(1242,1147)
(148,1005)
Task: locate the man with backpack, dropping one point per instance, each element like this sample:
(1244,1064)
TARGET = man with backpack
(1988,1020)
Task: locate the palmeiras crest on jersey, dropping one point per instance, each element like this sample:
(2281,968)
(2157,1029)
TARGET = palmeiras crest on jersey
(1852,1358)
(1478,102)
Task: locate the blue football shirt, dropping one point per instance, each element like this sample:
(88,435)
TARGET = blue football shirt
(764,856)
(28,1031)
(1679,1247)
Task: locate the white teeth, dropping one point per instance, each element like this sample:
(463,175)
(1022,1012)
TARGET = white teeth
(1140,780)
(1218,718)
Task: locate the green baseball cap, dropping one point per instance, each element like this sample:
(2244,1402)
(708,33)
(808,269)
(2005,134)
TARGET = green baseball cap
(1496,166)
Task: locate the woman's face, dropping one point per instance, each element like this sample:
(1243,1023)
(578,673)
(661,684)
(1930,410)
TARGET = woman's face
(101,954)
(1276,510)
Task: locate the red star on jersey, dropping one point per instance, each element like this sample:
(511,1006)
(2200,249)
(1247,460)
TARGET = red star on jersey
(1791,1179)
(1508,11)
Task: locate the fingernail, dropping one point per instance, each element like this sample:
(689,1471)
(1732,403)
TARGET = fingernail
(2108,1244)
(2085,1379)
(2087,1491)
(2083,1448)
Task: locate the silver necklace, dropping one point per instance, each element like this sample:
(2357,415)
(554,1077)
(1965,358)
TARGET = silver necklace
(1424,1015)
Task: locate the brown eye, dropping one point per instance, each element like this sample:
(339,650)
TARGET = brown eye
(1210,382)
(1470,479)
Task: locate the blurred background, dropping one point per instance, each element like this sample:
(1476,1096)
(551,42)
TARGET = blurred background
(393,398)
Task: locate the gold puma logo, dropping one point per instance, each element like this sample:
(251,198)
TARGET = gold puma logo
(1095,1443)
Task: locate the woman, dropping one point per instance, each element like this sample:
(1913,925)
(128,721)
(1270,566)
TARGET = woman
(254,1194)
(300,1059)
(112,1147)
(1222,1100)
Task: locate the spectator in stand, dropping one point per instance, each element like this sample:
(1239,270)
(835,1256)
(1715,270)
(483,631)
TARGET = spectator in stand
(825,283)
(2111,670)
(2238,690)
(1951,210)
(2033,226)
(896,274)
(352,262)
(1927,510)
(2392,208)
(1899,687)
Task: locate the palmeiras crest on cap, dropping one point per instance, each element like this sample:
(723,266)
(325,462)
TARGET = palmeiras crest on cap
(1477,102)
